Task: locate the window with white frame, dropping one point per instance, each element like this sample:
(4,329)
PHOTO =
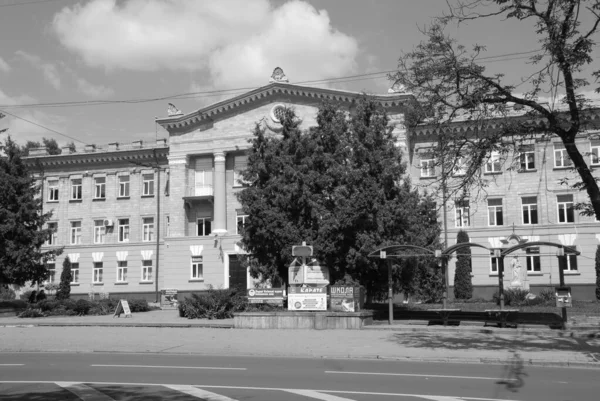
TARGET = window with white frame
(99,232)
(533,259)
(571,263)
(240,223)
(530,209)
(74,273)
(98,270)
(76,189)
(167,226)
(566,208)
(203,226)
(494,263)
(148,184)
(460,167)
(495,214)
(527,160)
(461,213)
(51,267)
(427,168)
(561,158)
(147,229)
(122,271)
(595,154)
(147,270)
(123,186)
(53,236)
(99,187)
(123,230)
(75,233)
(203,176)
(493,165)
(197,268)
(240,163)
(52,190)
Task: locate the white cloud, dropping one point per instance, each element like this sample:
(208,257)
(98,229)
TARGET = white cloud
(91,90)
(4,67)
(238,41)
(48,69)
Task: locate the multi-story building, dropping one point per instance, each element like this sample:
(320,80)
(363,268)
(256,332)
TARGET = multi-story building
(105,200)
(526,203)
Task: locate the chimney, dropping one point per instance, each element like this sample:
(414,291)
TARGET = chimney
(113,146)
(66,150)
(90,148)
(136,144)
(161,142)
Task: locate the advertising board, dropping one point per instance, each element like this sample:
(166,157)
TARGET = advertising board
(307,298)
(265,295)
(344,298)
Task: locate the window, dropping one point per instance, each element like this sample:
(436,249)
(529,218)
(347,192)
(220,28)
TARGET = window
(203,227)
(494,263)
(241,222)
(495,216)
(427,168)
(197,273)
(460,167)
(123,230)
(203,176)
(122,271)
(52,190)
(123,186)
(461,217)
(74,273)
(148,183)
(99,187)
(240,163)
(527,160)
(98,267)
(595,153)
(147,270)
(51,273)
(571,263)
(167,226)
(99,232)
(75,233)
(76,189)
(532,256)
(493,163)
(566,211)
(53,236)
(561,158)
(530,213)
(147,228)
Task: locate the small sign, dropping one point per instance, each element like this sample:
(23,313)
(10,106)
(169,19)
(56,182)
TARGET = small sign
(302,251)
(315,274)
(307,298)
(382,255)
(168,298)
(123,307)
(265,295)
(296,272)
(343,298)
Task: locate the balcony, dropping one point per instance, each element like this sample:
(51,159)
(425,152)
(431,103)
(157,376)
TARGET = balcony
(196,193)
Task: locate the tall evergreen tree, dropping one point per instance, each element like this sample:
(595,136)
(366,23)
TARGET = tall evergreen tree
(340,186)
(22,222)
(463,288)
(64,288)
(598,272)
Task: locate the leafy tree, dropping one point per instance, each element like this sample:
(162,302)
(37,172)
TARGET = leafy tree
(452,85)
(463,288)
(49,143)
(22,222)
(598,272)
(64,288)
(340,187)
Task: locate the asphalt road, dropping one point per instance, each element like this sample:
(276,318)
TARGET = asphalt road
(172,377)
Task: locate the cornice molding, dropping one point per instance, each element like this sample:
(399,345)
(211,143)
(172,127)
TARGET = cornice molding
(145,154)
(274,90)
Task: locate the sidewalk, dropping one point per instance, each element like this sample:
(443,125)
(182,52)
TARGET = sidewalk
(165,332)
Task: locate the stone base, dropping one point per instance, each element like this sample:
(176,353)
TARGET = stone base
(303,320)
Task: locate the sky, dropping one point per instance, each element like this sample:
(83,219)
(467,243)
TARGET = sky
(72,51)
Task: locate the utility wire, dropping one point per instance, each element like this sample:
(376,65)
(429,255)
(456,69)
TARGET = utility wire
(24,3)
(44,127)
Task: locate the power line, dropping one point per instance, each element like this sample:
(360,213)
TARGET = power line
(44,127)
(24,3)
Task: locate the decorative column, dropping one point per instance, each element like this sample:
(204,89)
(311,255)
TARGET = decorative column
(220,222)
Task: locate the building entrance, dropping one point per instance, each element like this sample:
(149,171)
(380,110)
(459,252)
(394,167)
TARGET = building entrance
(237,273)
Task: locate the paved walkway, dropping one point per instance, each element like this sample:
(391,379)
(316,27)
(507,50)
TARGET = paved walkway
(165,332)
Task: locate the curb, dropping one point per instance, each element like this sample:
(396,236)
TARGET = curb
(147,325)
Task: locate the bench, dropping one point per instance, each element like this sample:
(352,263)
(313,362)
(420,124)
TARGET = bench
(444,314)
(501,317)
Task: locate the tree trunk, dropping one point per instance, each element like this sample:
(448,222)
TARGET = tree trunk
(590,184)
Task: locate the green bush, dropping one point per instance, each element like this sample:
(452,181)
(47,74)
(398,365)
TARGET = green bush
(548,295)
(48,305)
(82,306)
(512,297)
(6,294)
(138,305)
(463,287)
(214,304)
(14,303)
(32,312)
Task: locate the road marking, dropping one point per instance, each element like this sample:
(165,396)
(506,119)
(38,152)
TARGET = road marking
(198,392)
(167,367)
(12,364)
(440,398)
(412,375)
(84,392)
(318,396)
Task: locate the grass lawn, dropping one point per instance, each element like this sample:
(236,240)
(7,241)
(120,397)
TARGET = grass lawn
(580,308)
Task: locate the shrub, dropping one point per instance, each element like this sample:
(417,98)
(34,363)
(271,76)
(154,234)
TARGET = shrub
(51,288)
(548,295)
(32,312)
(6,293)
(597,266)
(463,288)
(513,297)
(48,305)
(214,304)
(138,305)
(82,306)
(14,303)
(41,295)
(64,289)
